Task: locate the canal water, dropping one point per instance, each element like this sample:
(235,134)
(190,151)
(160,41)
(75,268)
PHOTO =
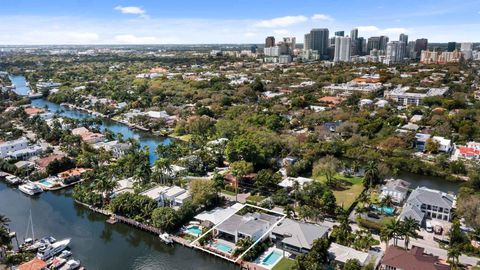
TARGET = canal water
(95,243)
(144,138)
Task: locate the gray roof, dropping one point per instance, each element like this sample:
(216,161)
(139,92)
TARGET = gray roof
(252,226)
(410,211)
(423,195)
(398,185)
(299,234)
(231,225)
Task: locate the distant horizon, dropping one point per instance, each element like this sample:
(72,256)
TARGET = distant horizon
(180,44)
(148,22)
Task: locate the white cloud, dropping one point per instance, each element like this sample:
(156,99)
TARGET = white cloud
(132,39)
(281,31)
(130,10)
(321,17)
(82,37)
(370,28)
(281,21)
(398,30)
(250,34)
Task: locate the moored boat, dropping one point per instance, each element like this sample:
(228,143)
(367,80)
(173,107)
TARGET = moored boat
(49,251)
(165,237)
(71,265)
(30,189)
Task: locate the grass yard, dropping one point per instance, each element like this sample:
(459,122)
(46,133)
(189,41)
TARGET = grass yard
(228,192)
(255,198)
(346,189)
(284,264)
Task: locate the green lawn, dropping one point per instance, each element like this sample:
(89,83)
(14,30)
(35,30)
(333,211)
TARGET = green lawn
(284,264)
(346,189)
(255,198)
(231,193)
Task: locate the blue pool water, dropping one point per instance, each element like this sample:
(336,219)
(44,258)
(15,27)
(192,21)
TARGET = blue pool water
(194,230)
(271,258)
(46,183)
(223,247)
(386,210)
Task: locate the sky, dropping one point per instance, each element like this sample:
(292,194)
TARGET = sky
(230,21)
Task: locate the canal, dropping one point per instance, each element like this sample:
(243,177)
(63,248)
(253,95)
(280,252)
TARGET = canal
(144,138)
(95,243)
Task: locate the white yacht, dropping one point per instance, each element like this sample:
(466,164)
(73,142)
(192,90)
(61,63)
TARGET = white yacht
(71,265)
(49,251)
(30,189)
(12,179)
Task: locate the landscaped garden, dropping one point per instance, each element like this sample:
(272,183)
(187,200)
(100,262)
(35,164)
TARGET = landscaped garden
(346,189)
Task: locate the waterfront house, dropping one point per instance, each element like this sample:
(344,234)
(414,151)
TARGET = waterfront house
(12,146)
(124,185)
(421,140)
(469,151)
(72,175)
(397,189)
(341,254)
(297,237)
(42,163)
(217,215)
(88,136)
(167,196)
(425,203)
(236,227)
(117,148)
(397,258)
(34,264)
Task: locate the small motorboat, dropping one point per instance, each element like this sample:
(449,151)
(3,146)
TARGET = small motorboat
(65,254)
(166,238)
(71,265)
(13,180)
(56,263)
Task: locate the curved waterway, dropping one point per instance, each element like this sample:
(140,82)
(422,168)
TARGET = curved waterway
(97,244)
(144,138)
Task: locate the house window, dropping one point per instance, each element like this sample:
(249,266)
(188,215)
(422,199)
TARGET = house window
(434,215)
(440,209)
(434,208)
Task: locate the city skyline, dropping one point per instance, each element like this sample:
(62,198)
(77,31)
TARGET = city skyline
(152,22)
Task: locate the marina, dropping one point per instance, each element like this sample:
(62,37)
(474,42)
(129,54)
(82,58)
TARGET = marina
(118,246)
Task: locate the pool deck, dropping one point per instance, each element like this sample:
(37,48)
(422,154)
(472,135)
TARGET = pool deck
(258,261)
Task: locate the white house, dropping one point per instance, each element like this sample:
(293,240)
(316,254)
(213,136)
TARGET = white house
(428,203)
(12,146)
(167,196)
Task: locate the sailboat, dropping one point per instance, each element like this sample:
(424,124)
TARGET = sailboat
(32,244)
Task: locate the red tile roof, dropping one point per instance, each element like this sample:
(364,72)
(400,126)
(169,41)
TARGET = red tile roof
(414,259)
(35,264)
(467,151)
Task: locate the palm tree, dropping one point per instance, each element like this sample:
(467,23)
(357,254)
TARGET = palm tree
(296,191)
(371,174)
(4,221)
(163,169)
(106,186)
(391,230)
(453,255)
(409,230)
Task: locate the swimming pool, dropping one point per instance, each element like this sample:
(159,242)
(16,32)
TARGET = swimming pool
(386,210)
(272,258)
(222,247)
(194,230)
(46,183)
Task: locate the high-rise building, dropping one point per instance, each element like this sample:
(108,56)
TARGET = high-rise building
(306,42)
(340,33)
(403,38)
(269,42)
(421,45)
(342,49)
(373,43)
(467,50)
(383,42)
(354,34)
(291,43)
(319,41)
(451,46)
(395,52)
(411,53)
